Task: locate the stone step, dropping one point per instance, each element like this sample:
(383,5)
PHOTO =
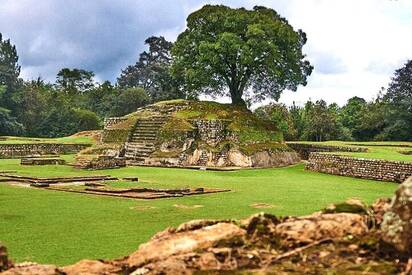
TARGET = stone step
(139,148)
(139,152)
(145,135)
(142,144)
(146,131)
(150,122)
(142,139)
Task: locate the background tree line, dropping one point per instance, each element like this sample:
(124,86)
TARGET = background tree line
(388,117)
(75,101)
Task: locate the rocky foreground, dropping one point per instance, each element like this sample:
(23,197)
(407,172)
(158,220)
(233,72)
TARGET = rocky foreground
(347,238)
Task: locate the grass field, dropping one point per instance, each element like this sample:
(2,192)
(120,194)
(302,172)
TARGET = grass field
(61,228)
(388,150)
(28,140)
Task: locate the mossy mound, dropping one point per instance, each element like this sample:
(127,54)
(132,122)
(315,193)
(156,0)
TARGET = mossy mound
(202,128)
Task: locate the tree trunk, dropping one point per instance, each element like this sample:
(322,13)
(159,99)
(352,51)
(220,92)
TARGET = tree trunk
(237,98)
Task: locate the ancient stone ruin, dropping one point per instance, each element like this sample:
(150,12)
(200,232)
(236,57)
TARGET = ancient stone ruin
(346,238)
(195,134)
(375,169)
(23,150)
(98,185)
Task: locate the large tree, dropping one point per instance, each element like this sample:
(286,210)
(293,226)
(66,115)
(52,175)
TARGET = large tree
(9,73)
(321,121)
(352,116)
(9,67)
(152,71)
(74,81)
(399,105)
(227,51)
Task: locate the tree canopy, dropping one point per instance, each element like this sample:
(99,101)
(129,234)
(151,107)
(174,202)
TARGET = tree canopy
(152,72)
(227,51)
(399,104)
(74,80)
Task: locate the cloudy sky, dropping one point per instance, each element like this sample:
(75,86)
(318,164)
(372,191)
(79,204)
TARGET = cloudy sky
(355,45)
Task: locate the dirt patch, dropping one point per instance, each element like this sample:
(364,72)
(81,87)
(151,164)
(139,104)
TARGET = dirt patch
(183,206)
(94,134)
(262,205)
(143,207)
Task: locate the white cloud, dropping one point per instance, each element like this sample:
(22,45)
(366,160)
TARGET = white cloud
(354,45)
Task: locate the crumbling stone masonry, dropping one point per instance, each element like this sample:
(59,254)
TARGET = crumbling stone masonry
(384,170)
(211,131)
(22,150)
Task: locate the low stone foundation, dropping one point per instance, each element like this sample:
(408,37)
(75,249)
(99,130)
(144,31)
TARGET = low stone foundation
(101,162)
(42,161)
(304,149)
(22,150)
(375,169)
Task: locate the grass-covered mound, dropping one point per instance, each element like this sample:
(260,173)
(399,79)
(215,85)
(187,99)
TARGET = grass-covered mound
(242,129)
(241,121)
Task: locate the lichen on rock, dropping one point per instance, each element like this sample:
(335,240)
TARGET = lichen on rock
(397,222)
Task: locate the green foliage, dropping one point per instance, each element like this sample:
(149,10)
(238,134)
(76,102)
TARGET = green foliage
(151,72)
(226,51)
(86,120)
(9,124)
(74,81)
(399,105)
(9,67)
(129,100)
(352,116)
(281,117)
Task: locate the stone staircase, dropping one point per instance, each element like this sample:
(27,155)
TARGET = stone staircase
(142,140)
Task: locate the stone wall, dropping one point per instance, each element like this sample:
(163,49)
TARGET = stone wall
(211,131)
(304,149)
(21,150)
(383,170)
(110,121)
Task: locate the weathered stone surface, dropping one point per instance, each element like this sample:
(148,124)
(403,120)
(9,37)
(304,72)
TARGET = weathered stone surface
(21,150)
(185,242)
(349,206)
(101,162)
(33,269)
(397,222)
(91,267)
(42,161)
(375,169)
(319,226)
(4,261)
(379,208)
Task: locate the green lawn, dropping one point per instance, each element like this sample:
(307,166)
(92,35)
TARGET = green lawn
(389,150)
(27,140)
(61,228)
